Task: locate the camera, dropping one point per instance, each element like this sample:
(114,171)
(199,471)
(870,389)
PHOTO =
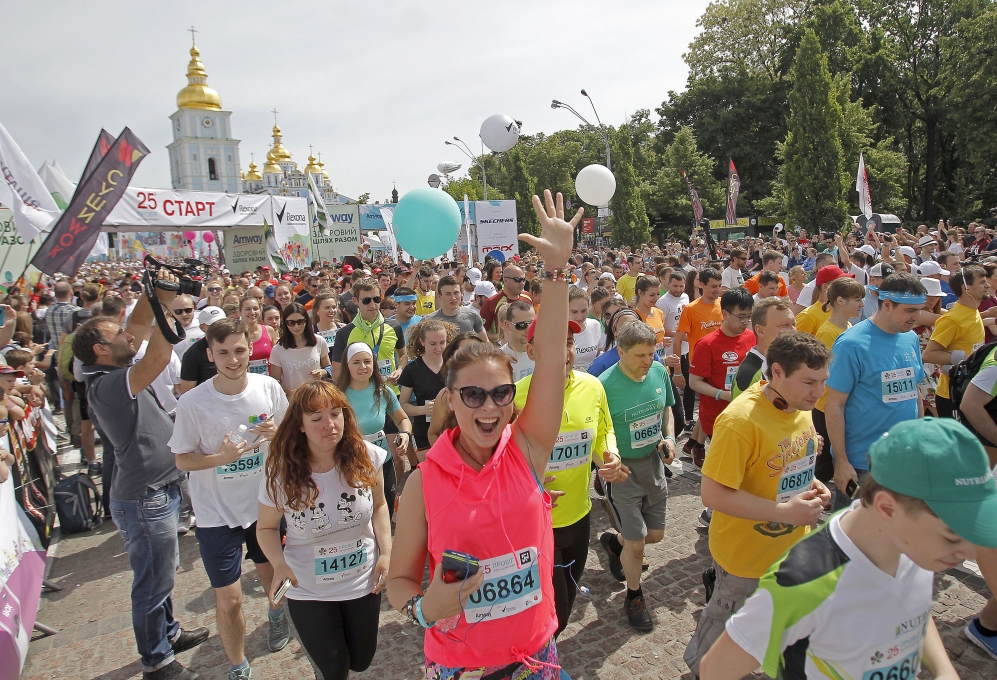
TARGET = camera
(189,273)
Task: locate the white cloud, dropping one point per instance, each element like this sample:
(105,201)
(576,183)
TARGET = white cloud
(376,87)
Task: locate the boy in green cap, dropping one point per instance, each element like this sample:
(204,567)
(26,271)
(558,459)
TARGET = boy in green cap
(853,599)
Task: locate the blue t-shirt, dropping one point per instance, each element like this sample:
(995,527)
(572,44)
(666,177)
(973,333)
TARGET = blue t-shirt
(879,372)
(370,416)
(950,297)
(869,305)
(415,319)
(608,359)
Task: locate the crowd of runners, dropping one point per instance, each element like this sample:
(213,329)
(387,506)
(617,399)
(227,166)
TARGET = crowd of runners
(338,426)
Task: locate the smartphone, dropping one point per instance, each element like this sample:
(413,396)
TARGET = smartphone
(2,322)
(281,591)
(852,489)
(458,566)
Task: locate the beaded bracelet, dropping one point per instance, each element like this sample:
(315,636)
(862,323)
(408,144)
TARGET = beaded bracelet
(557,274)
(409,609)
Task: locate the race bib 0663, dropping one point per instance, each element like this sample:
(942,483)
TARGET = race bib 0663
(645,432)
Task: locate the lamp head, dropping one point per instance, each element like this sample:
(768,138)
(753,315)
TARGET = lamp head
(456,139)
(554,104)
(584,93)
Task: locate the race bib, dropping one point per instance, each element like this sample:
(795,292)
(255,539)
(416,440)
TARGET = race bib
(330,337)
(902,669)
(377,439)
(249,465)
(512,585)
(259,366)
(646,431)
(571,450)
(340,562)
(729,378)
(899,385)
(384,367)
(798,476)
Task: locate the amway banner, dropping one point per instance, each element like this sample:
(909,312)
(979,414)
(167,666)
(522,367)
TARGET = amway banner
(342,238)
(196,210)
(497,229)
(245,249)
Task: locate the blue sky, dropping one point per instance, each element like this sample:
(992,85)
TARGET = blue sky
(376,87)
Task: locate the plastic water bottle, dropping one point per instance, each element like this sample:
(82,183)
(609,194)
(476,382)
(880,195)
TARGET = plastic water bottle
(239,436)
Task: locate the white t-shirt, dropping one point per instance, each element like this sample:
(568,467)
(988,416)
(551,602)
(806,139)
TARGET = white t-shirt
(296,364)
(861,275)
(806,297)
(194,333)
(587,344)
(331,547)
(226,495)
(672,307)
(166,382)
(731,278)
(853,617)
(522,364)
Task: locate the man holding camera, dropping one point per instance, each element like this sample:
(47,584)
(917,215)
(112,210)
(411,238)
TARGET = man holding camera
(145,491)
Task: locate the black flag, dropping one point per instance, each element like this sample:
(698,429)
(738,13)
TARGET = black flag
(73,236)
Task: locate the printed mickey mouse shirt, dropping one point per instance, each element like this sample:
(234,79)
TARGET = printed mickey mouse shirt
(330,547)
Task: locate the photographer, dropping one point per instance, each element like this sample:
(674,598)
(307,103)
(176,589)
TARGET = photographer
(145,492)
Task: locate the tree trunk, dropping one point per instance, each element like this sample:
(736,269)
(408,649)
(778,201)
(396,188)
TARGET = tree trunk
(931,134)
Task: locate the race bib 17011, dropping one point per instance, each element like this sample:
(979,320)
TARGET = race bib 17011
(571,450)
(512,585)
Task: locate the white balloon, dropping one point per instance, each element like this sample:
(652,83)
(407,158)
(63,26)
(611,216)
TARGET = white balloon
(499,132)
(595,184)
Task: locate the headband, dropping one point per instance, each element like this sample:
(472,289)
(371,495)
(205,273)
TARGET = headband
(357,348)
(904,298)
(406,298)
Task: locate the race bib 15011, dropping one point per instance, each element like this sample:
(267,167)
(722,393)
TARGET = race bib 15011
(899,385)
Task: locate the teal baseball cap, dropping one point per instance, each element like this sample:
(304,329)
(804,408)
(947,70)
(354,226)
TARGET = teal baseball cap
(940,462)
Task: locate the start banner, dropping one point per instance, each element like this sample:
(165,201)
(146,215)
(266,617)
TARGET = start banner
(196,210)
(497,229)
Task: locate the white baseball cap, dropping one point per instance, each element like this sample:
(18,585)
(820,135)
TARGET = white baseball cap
(484,288)
(933,286)
(932,268)
(474,275)
(908,251)
(868,250)
(209,315)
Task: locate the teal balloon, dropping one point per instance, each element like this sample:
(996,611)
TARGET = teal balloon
(426,222)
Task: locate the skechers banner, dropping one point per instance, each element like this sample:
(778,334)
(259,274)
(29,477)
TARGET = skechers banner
(73,236)
(497,229)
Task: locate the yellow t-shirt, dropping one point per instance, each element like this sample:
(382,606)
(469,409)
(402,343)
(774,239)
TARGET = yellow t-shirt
(812,318)
(827,334)
(959,328)
(768,453)
(425,302)
(586,429)
(626,287)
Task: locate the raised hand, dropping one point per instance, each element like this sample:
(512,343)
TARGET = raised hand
(556,235)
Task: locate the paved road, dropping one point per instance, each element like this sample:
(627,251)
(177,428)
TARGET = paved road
(96,641)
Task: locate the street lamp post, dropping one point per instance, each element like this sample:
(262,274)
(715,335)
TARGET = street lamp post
(462,147)
(555,104)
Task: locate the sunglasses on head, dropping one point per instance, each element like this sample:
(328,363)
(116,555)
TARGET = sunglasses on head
(368,300)
(185,310)
(521,325)
(295,322)
(474,396)
(517,279)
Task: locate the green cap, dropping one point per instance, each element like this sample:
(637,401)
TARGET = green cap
(940,462)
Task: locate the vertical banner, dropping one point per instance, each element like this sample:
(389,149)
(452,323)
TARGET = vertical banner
(697,206)
(341,238)
(15,252)
(497,229)
(862,186)
(733,189)
(588,225)
(292,232)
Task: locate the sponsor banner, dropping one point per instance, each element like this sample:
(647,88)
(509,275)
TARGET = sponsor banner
(23,191)
(371,218)
(195,210)
(15,252)
(291,232)
(341,238)
(588,225)
(497,229)
(245,249)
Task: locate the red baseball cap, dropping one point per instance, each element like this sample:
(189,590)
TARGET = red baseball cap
(347,269)
(573,328)
(830,273)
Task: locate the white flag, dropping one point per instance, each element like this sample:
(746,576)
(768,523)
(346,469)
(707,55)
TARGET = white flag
(320,214)
(388,215)
(862,186)
(61,188)
(23,191)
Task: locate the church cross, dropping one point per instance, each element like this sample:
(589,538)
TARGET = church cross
(192,31)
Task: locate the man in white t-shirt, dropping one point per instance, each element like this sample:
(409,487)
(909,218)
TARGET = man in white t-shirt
(183,312)
(518,316)
(226,464)
(806,297)
(732,276)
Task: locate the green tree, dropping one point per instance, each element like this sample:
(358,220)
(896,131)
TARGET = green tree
(629,221)
(472,187)
(362,199)
(668,197)
(520,187)
(814,167)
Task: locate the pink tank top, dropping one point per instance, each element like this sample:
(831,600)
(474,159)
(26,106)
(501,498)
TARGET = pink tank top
(501,516)
(259,360)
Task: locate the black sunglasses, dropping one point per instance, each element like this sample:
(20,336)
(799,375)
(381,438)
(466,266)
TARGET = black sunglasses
(185,310)
(367,301)
(521,325)
(517,279)
(296,322)
(474,396)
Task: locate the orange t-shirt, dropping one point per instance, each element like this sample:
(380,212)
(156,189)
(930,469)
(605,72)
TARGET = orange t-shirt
(752,286)
(657,323)
(699,320)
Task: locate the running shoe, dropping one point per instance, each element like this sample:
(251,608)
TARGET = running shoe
(240,673)
(637,614)
(95,469)
(987,644)
(615,565)
(280,633)
(171,671)
(188,639)
(705,517)
(698,455)
(709,582)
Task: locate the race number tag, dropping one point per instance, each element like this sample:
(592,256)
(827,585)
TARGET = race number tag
(646,431)
(340,562)
(512,585)
(798,476)
(384,367)
(899,385)
(903,669)
(330,337)
(571,449)
(259,366)
(729,378)
(377,439)
(249,465)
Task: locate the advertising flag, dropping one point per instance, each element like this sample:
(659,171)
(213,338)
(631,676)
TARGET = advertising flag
(104,142)
(320,215)
(23,191)
(733,189)
(862,186)
(697,206)
(273,251)
(73,236)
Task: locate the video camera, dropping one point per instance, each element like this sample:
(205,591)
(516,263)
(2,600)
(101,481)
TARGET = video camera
(189,273)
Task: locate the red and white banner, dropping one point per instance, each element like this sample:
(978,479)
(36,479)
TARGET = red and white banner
(497,229)
(142,209)
(862,186)
(588,225)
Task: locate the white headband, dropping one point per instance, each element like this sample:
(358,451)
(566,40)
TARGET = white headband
(357,348)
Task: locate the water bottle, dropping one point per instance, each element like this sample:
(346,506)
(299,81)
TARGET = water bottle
(239,436)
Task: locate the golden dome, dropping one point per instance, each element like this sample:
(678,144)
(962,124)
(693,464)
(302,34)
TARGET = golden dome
(321,165)
(252,174)
(271,165)
(197,94)
(312,166)
(280,154)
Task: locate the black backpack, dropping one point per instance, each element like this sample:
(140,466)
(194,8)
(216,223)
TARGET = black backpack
(77,500)
(961,376)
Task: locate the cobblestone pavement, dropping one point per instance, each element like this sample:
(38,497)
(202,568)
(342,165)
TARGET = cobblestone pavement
(95,638)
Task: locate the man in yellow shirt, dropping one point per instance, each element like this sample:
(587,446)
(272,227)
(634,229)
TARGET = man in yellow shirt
(813,317)
(959,331)
(627,284)
(759,479)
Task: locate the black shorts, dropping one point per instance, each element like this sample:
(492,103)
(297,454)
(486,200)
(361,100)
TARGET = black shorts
(389,425)
(221,552)
(80,388)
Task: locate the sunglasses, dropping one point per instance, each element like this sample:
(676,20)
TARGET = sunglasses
(517,279)
(185,310)
(474,396)
(214,290)
(521,325)
(368,300)
(295,322)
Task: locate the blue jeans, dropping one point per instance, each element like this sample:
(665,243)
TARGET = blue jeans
(840,499)
(149,528)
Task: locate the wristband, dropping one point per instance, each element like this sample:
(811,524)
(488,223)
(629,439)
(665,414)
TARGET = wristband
(668,436)
(719,392)
(559,274)
(420,617)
